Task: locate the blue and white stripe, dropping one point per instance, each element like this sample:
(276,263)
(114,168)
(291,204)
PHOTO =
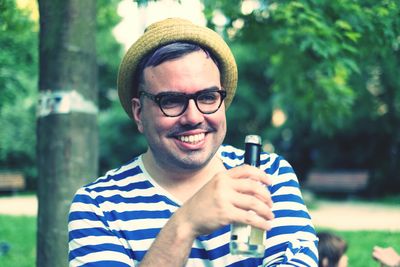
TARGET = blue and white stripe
(114,220)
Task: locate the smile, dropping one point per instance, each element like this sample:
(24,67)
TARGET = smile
(192,139)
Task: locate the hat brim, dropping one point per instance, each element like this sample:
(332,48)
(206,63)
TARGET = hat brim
(165,32)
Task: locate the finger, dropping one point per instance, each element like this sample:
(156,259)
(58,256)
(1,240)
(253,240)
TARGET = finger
(250,172)
(251,187)
(250,203)
(376,254)
(253,219)
(377,251)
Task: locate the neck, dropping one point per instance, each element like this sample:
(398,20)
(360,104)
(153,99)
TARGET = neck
(181,183)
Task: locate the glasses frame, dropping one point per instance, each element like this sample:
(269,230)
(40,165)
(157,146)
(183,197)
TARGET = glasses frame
(158,97)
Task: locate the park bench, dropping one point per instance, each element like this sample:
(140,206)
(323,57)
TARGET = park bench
(342,181)
(11,181)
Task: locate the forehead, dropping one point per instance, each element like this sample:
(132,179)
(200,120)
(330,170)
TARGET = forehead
(171,51)
(189,73)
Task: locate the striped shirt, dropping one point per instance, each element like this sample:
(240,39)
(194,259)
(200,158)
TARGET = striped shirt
(114,220)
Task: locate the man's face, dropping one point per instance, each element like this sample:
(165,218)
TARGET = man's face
(189,141)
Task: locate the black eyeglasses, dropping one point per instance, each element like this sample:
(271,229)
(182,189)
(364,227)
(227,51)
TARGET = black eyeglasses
(174,104)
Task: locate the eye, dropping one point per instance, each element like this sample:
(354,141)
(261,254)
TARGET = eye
(172,101)
(208,97)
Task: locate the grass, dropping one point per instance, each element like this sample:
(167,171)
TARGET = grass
(20,233)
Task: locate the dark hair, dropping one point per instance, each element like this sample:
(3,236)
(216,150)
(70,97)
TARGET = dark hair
(331,247)
(168,52)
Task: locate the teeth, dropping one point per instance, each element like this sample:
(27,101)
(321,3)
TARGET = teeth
(192,138)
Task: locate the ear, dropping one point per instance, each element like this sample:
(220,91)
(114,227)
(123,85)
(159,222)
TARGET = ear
(137,113)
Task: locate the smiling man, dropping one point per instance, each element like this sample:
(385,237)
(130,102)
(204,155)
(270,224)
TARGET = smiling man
(173,205)
(181,133)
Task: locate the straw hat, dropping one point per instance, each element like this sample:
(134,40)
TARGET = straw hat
(168,31)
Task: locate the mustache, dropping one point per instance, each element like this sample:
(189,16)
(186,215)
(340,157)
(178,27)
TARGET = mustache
(180,129)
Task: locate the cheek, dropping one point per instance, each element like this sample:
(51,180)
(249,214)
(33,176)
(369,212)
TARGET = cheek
(219,120)
(156,125)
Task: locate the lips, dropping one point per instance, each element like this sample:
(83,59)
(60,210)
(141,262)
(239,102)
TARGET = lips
(192,139)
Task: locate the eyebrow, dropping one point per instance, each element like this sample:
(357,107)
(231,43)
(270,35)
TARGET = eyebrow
(205,89)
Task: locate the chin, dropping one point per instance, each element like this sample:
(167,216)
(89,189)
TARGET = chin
(193,161)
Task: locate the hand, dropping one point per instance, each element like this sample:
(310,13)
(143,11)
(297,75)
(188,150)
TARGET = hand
(236,195)
(386,256)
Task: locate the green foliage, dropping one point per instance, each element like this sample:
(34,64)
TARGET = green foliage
(18,79)
(19,52)
(308,51)
(109,52)
(119,139)
(19,75)
(331,66)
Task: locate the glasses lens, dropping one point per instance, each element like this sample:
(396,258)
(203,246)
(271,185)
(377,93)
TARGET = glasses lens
(174,104)
(209,102)
(171,104)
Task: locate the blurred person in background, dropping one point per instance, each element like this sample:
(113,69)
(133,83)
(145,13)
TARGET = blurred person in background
(332,250)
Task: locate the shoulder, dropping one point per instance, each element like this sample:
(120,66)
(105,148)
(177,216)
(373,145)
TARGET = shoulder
(126,173)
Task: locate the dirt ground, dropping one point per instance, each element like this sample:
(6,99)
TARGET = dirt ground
(343,215)
(347,215)
(19,205)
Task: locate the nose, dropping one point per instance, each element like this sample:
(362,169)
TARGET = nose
(192,115)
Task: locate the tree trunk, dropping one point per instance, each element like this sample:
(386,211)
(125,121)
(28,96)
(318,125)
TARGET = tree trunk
(67,150)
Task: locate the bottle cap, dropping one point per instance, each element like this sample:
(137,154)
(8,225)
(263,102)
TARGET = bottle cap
(253,139)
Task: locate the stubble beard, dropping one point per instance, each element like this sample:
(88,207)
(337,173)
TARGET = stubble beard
(190,161)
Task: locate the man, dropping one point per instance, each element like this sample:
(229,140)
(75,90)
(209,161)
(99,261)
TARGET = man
(173,205)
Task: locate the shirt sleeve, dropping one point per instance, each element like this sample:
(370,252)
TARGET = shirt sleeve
(91,241)
(292,240)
